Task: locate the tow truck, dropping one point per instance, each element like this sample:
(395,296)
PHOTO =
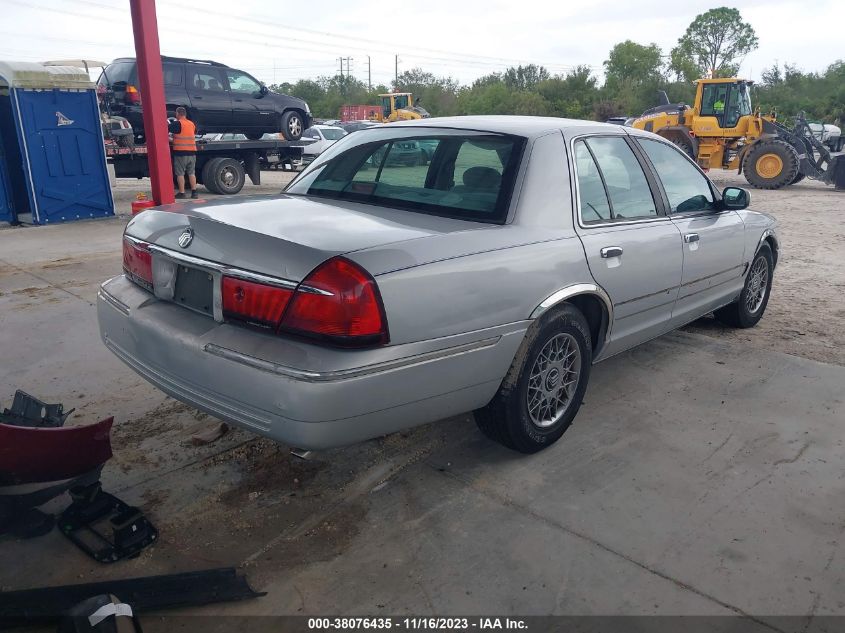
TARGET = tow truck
(222,166)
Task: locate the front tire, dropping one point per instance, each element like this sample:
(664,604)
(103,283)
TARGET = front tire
(747,311)
(770,164)
(544,387)
(292,125)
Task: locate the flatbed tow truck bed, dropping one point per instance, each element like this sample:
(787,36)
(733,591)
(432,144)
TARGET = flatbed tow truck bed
(222,166)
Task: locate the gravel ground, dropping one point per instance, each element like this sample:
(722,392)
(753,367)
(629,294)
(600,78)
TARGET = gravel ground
(806,313)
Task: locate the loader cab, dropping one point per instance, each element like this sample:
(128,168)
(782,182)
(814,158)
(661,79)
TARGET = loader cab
(726,100)
(393,102)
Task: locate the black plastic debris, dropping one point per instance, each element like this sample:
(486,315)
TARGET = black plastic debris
(103,526)
(30,411)
(147,594)
(100,614)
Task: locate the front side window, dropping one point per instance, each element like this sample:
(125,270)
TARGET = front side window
(241,82)
(686,188)
(472,177)
(622,176)
(739,105)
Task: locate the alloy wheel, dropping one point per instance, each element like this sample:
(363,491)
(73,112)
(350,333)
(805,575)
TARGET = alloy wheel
(758,281)
(553,380)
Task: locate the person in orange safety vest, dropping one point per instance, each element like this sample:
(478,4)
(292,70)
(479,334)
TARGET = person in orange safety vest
(184,150)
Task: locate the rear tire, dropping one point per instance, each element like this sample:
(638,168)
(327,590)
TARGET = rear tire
(527,413)
(770,164)
(748,309)
(208,171)
(227,175)
(684,143)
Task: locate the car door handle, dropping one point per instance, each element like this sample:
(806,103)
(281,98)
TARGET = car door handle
(611,251)
(196,97)
(689,238)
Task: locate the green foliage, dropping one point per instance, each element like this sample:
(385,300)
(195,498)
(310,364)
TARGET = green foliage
(789,91)
(633,74)
(715,41)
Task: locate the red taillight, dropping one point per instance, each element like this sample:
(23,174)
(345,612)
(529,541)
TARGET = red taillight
(132,95)
(254,302)
(341,302)
(138,262)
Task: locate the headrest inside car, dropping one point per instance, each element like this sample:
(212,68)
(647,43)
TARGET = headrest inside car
(485,178)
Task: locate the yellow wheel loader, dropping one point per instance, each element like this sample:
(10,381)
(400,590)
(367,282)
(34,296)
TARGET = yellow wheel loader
(400,106)
(721,131)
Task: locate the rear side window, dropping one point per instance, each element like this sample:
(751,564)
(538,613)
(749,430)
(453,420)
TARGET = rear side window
(594,204)
(172,74)
(625,184)
(686,188)
(203,78)
(469,176)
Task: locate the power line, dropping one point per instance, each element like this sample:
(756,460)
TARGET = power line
(466,58)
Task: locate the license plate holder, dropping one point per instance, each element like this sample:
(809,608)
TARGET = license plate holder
(194,289)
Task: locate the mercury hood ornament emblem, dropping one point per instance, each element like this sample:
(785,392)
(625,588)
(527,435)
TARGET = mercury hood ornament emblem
(186,238)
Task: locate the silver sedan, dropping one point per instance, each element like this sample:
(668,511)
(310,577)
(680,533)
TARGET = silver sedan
(372,296)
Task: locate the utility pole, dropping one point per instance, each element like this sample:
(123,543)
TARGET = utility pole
(369,75)
(340,59)
(396,80)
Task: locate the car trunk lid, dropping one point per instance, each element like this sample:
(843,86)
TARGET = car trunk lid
(282,236)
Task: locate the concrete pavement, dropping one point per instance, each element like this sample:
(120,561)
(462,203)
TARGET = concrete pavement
(700,477)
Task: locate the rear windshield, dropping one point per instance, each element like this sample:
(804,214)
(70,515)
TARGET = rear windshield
(117,75)
(461,175)
(333,135)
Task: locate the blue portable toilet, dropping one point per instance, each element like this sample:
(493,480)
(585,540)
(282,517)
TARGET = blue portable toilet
(52,159)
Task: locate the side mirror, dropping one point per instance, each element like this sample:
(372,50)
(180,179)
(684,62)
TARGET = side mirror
(735,198)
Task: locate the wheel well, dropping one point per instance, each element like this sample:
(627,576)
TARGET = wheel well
(595,312)
(773,245)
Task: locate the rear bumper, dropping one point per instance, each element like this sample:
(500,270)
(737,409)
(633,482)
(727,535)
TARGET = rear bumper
(293,391)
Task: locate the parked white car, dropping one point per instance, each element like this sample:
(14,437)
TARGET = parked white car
(323,137)
(830,135)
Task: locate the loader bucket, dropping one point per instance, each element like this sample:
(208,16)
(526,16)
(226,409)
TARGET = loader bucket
(838,170)
(806,145)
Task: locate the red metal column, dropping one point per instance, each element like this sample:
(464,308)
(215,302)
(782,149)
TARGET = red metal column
(145,28)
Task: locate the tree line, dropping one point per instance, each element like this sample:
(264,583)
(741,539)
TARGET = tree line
(713,45)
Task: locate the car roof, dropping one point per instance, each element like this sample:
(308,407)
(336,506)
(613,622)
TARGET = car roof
(506,124)
(183,60)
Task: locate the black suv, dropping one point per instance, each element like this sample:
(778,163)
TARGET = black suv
(218,98)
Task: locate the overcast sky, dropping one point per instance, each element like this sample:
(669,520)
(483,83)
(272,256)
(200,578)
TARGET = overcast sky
(281,40)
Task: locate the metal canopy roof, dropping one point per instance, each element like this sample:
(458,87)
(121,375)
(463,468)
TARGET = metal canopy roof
(37,76)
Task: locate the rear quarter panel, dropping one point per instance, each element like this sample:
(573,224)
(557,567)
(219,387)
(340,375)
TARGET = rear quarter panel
(474,292)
